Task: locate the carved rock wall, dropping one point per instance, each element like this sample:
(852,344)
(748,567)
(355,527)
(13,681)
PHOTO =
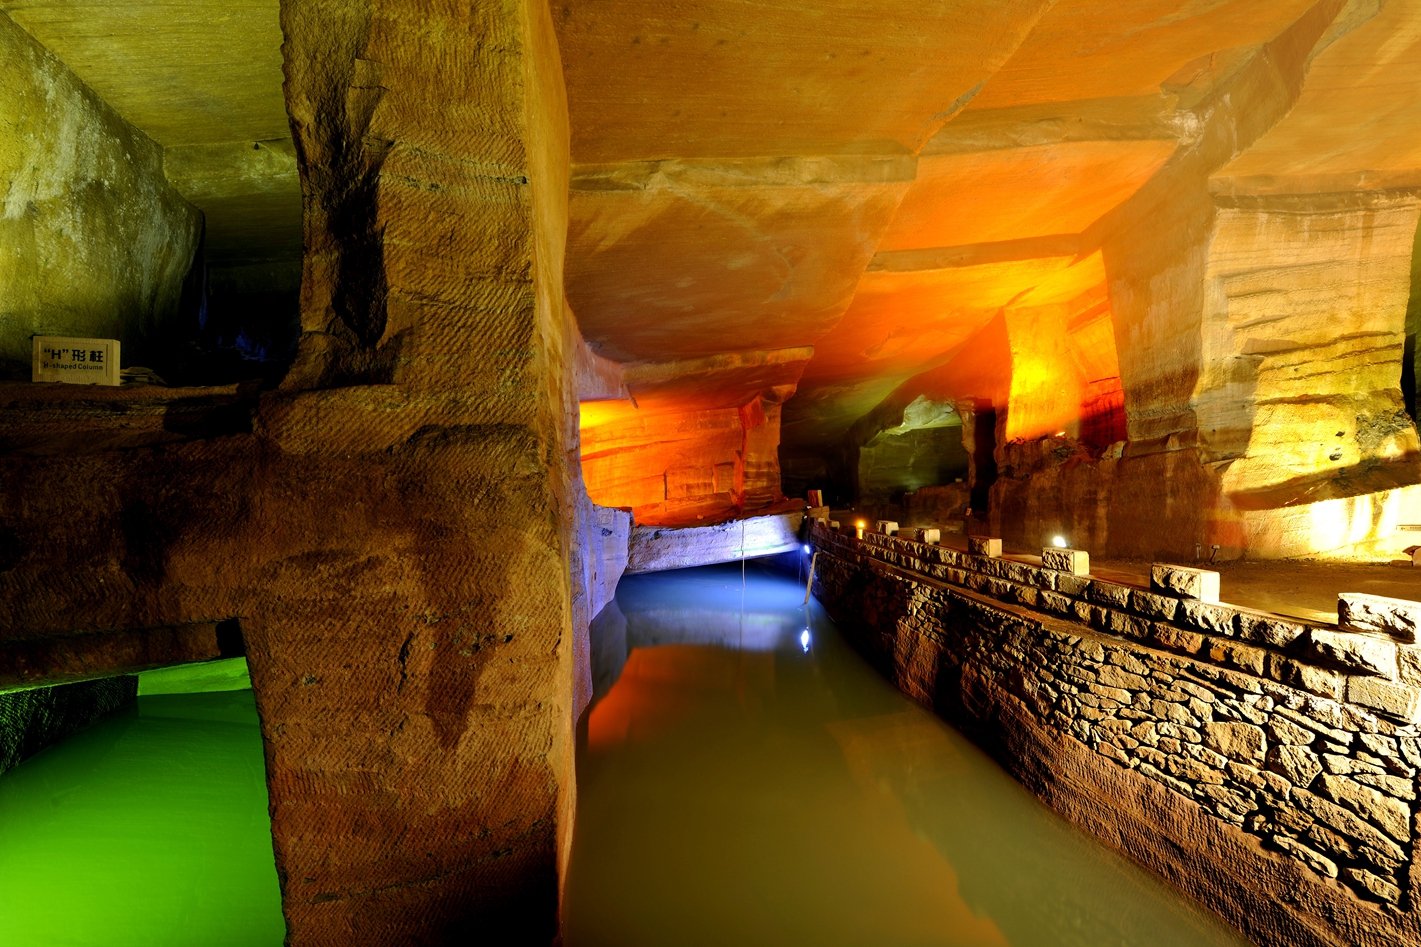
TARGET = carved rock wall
(33,719)
(1304,325)
(894,464)
(94,241)
(668,468)
(1258,298)
(681,468)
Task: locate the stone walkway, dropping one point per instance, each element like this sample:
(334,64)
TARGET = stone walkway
(1299,588)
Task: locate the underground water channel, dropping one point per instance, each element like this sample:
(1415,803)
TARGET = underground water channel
(744,777)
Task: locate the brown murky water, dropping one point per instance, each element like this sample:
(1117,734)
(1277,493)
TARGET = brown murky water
(742,781)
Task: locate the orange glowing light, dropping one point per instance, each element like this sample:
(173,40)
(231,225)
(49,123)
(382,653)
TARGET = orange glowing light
(597,413)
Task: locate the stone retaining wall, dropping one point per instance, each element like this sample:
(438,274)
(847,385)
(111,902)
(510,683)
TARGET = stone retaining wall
(659,548)
(31,720)
(1241,740)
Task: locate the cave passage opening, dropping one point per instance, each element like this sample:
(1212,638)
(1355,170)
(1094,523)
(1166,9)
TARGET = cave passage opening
(1413,322)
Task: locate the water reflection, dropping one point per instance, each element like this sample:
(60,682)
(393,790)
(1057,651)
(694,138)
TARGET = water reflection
(738,786)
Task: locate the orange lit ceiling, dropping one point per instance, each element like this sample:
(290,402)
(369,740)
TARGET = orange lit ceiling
(878,182)
(1097,49)
(1357,124)
(1012,193)
(734,79)
(673,260)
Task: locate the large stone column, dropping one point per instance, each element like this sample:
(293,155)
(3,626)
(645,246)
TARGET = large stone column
(393,528)
(411,636)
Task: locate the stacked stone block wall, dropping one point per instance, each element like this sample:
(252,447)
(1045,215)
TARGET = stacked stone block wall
(1273,728)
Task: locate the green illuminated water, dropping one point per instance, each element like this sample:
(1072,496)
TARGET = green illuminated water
(148,829)
(743,782)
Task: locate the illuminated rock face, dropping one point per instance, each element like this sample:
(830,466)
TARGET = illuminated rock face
(94,241)
(690,441)
(1131,243)
(683,468)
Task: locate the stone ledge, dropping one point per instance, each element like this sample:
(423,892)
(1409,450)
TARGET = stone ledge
(44,662)
(1201,584)
(1376,613)
(54,418)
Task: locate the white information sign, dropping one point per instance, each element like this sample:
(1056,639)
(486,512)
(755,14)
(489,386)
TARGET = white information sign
(76,361)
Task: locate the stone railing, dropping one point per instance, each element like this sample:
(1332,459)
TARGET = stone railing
(1375,661)
(1301,736)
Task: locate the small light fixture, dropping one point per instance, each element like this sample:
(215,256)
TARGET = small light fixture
(806,549)
(858,529)
(804,640)
(1059,542)
(1060,433)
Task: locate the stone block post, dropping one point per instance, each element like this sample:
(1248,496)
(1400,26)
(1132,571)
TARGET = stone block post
(1071,561)
(411,637)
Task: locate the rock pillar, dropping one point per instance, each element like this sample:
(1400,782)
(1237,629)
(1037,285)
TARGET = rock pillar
(411,639)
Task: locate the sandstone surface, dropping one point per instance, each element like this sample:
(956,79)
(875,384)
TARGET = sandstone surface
(469,310)
(395,526)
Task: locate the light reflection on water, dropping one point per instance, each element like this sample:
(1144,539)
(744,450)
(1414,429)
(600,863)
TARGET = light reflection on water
(738,787)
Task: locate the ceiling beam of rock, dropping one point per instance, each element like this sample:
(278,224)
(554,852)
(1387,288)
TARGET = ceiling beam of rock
(716,381)
(1233,98)
(976,254)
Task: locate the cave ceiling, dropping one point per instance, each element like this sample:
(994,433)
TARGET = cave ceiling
(831,195)
(878,182)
